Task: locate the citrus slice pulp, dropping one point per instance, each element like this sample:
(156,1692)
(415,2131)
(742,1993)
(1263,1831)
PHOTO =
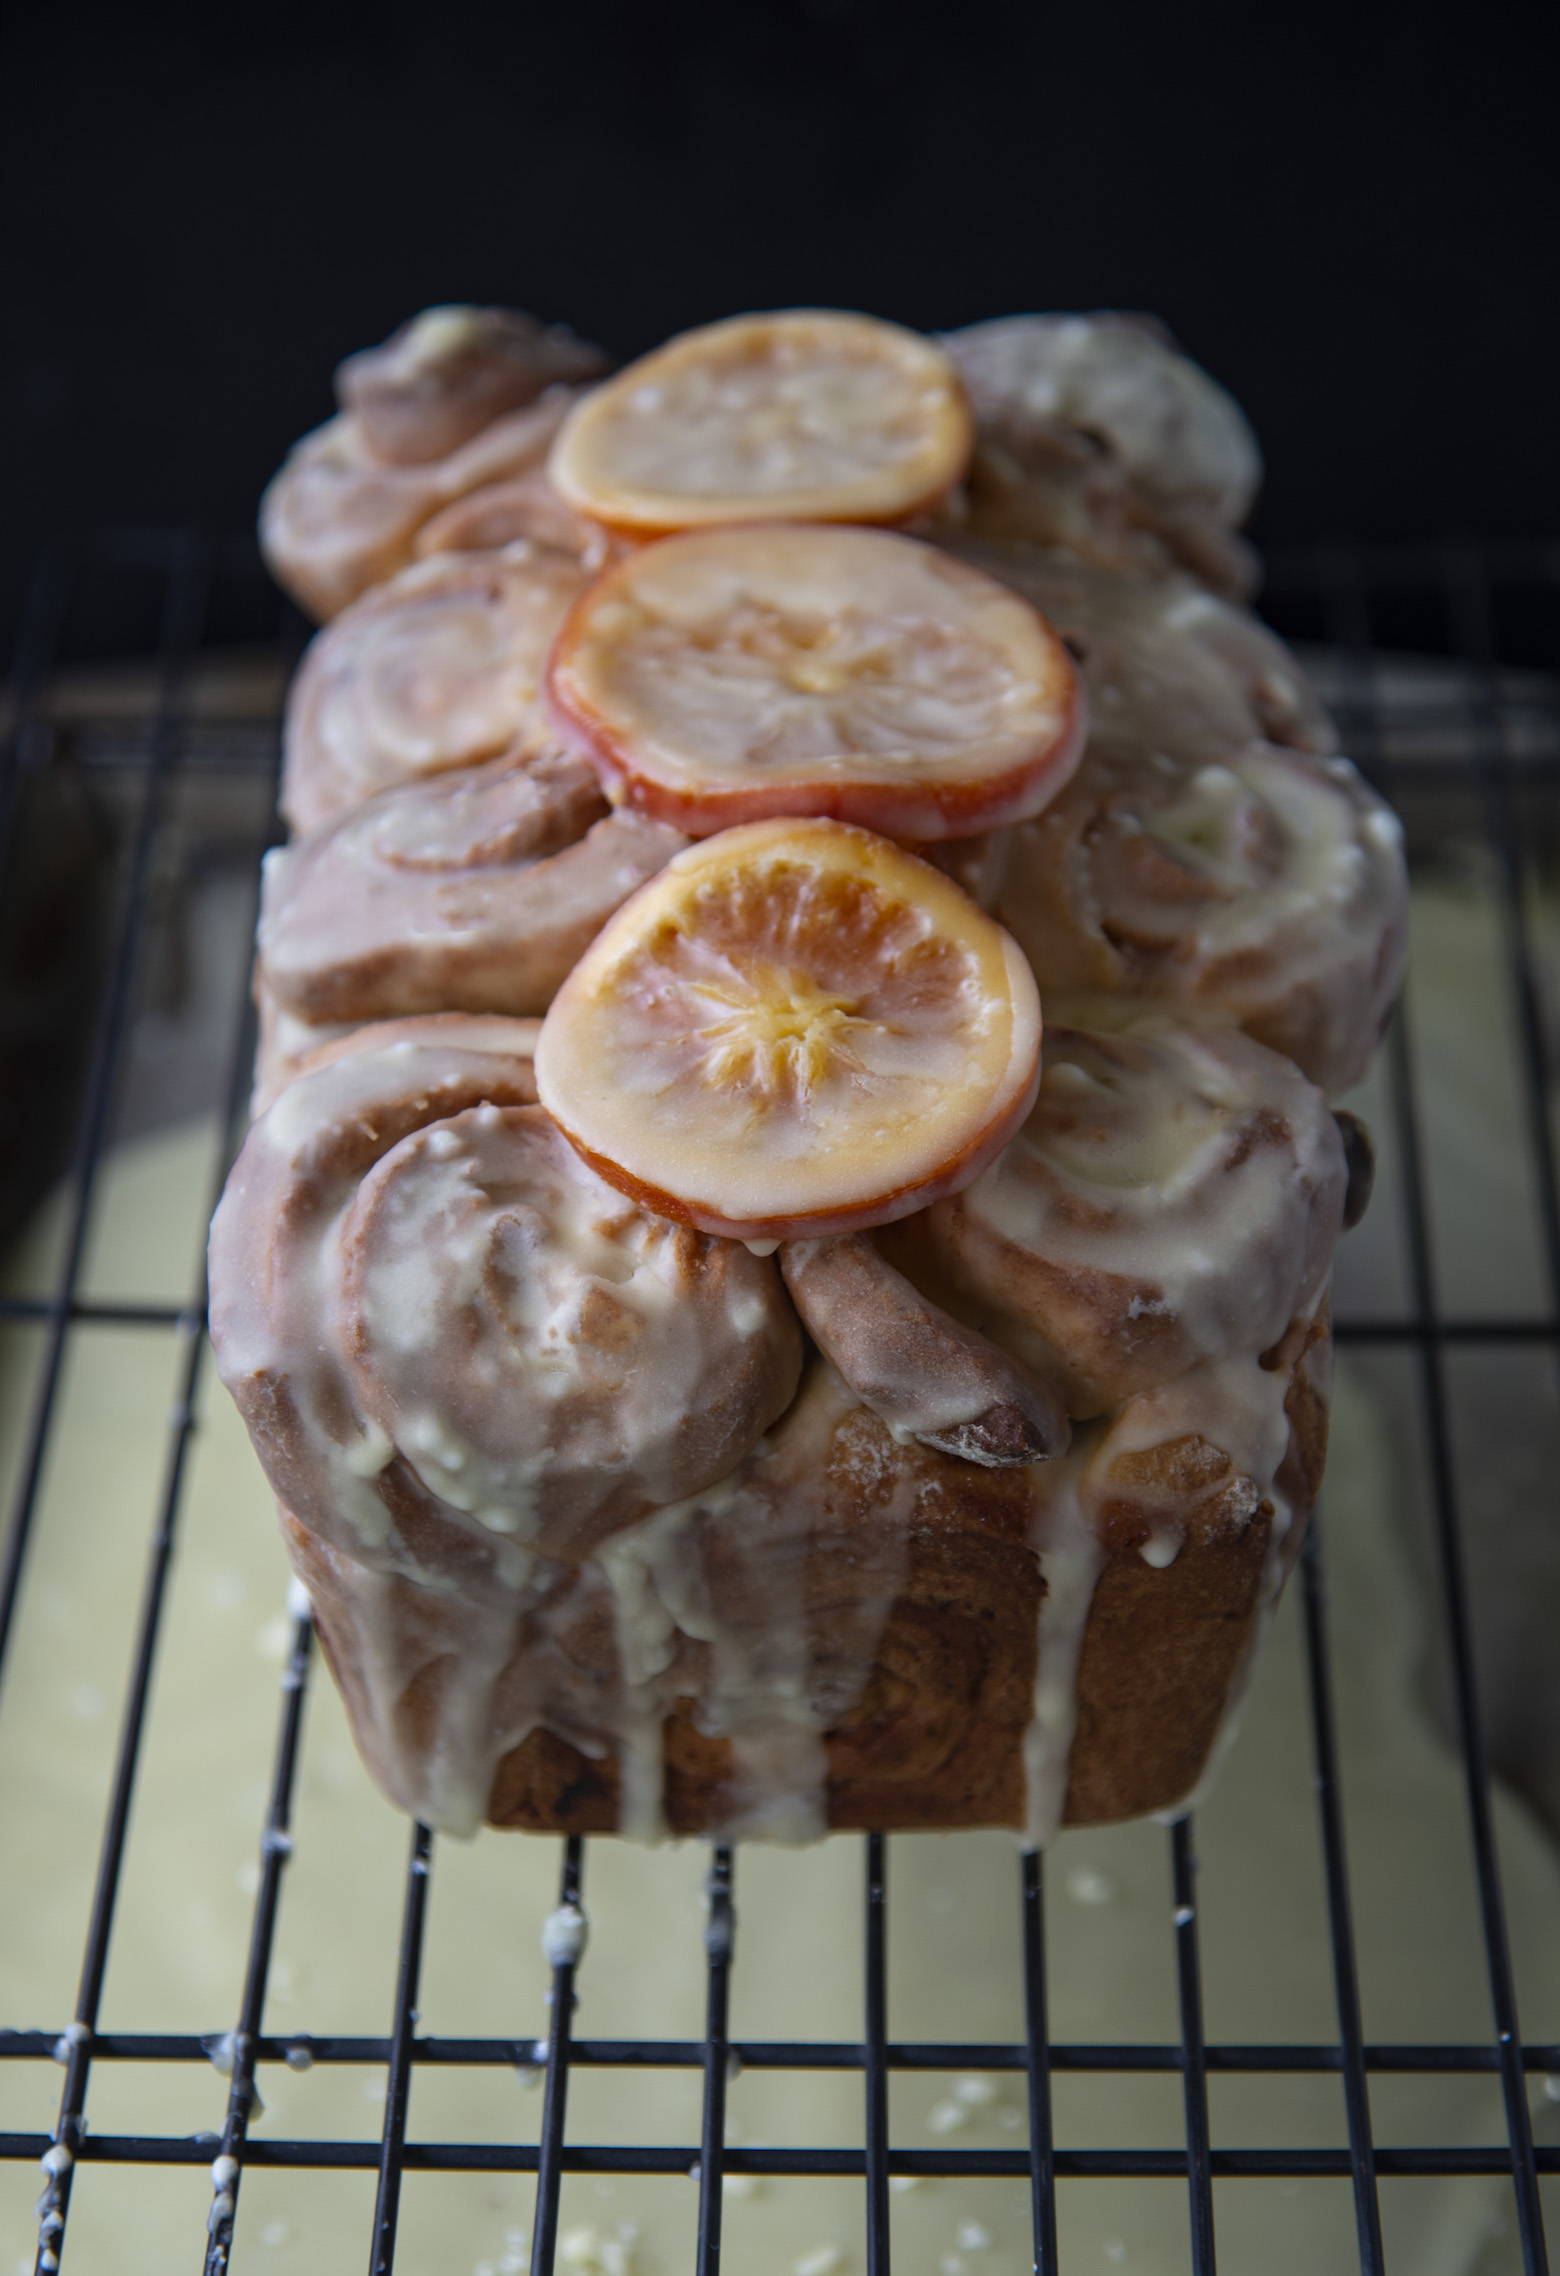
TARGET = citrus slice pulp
(797,1028)
(725,676)
(809,414)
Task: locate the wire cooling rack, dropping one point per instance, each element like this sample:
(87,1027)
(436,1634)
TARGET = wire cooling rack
(1487,733)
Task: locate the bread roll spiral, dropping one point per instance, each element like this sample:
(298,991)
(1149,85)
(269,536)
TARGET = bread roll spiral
(449,373)
(500,512)
(1174,674)
(338,519)
(1211,854)
(476,891)
(454,1346)
(1095,434)
(1265,888)
(439,668)
(1173,1199)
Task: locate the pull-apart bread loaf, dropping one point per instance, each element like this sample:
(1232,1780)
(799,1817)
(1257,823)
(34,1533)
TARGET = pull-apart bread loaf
(720,1370)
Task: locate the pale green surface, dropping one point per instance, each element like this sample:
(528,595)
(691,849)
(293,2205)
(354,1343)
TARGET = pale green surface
(183,1922)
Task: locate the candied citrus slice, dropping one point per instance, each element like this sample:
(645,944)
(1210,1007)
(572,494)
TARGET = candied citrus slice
(809,415)
(796,1028)
(724,676)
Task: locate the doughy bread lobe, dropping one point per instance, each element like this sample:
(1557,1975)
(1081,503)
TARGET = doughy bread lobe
(1094,433)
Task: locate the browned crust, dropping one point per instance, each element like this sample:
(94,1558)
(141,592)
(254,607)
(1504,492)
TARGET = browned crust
(1164,1649)
(1160,1654)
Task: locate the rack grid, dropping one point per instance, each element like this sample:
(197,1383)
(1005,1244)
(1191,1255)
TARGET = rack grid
(1461,599)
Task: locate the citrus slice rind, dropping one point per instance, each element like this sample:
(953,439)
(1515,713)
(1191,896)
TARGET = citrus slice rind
(728,676)
(797,1028)
(807,415)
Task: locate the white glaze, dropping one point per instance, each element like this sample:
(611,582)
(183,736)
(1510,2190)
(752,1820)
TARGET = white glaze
(1094,433)
(1071,1561)
(1174,1197)
(336,519)
(613,1359)
(1262,887)
(565,1933)
(441,667)
(477,891)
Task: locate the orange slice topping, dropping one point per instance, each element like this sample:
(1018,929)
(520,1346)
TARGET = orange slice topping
(725,676)
(796,1028)
(804,416)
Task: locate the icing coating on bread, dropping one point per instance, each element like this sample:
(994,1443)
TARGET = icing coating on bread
(450,372)
(451,1341)
(439,668)
(476,891)
(526,505)
(849,1630)
(291,1047)
(1094,433)
(1174,1198)
(918,1369)
(335,519)
(1266,888)
(1174,674)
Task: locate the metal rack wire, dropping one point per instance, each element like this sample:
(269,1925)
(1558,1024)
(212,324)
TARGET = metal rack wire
(1466,594)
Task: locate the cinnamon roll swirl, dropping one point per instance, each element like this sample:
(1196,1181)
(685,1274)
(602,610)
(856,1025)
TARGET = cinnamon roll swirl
(453,1345)
(525,506)
(337,520)
(1093,433)
(1211,854)
(1173,1201)
(439,668)
(477,891)
(449,373)
(1264,888)
(1174,674)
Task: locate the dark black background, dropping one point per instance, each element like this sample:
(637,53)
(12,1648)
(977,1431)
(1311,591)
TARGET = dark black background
(1348,214)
